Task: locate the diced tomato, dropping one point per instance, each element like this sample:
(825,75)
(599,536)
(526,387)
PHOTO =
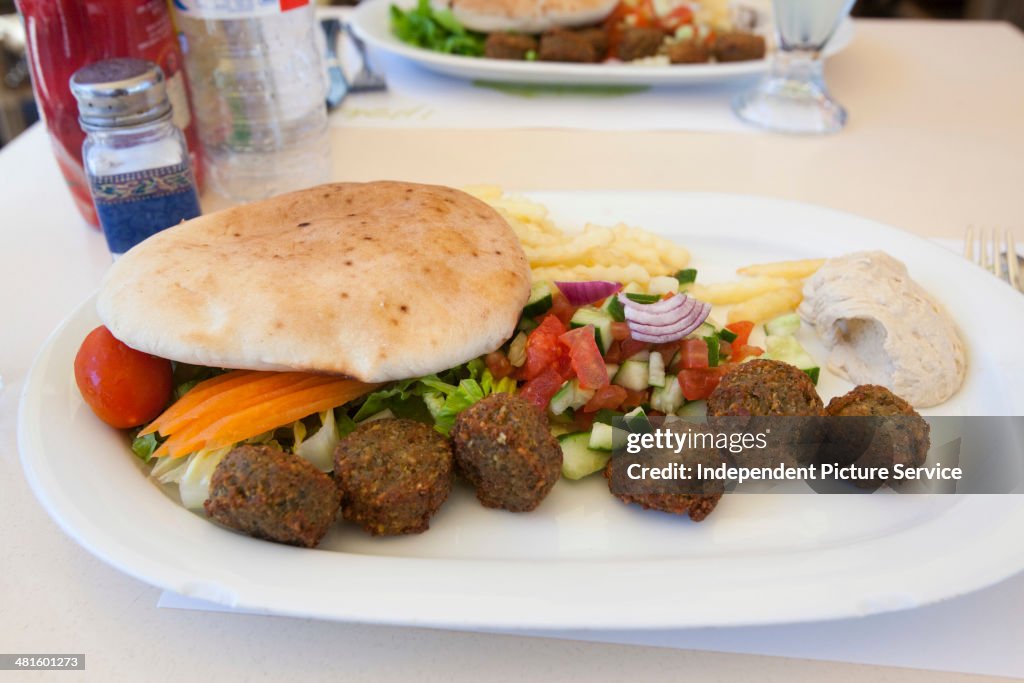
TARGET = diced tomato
(742,331)
(610,396)
(631,347)
(620,331)
(582,421)
(543,350)
(695,354)
(585,357)
(698,383)
(561,308)
(744,351)
(541,388)
(724,349)
(633,399)
(499,365)
(677,17)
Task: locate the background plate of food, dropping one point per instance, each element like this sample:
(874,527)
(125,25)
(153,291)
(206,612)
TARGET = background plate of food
(597,42)
(392,280)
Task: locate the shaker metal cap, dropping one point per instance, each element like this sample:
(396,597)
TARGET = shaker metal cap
(120,92)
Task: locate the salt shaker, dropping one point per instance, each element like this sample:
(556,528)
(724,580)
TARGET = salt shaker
(134,156)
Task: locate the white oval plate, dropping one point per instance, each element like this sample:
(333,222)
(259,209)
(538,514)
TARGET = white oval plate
(372,22)
(583,559)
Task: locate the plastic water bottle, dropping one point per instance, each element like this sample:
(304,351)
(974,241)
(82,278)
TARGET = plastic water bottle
(258,92)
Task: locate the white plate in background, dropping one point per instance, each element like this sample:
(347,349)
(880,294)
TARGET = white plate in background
(372,22)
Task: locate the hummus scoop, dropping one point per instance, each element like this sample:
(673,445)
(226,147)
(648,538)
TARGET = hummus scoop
(883,328)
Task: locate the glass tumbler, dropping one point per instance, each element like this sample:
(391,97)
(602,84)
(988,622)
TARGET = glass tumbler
(792,97)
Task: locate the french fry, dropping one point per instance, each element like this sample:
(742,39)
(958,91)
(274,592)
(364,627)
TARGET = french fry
(738,290)
(766,306)
(571,251)
(630,273)
(793,270)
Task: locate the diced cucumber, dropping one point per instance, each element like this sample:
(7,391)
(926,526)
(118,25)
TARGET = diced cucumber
(605,416)
(517,350)
(633,375)
(562,399)
(643,298)
(642,354)
(602,437)
(786,324)
(686,276)
(527,324)
(693,409)
(601,321)
(570,395)
(705,330)
(541,297)
(636,420)
(663,284)
(578,459)
(656,370)
(788,350)
(613,307)
(714,350)
(667,398)
(727,335)
(612,368)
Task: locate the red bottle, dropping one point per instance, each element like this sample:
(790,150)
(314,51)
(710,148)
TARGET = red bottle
(63,35)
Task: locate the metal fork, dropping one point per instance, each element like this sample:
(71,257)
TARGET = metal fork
(1000,260)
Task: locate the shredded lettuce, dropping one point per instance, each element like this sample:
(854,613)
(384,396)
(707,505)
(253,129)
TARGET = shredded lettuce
(444,396)
(319,448)
(435,29)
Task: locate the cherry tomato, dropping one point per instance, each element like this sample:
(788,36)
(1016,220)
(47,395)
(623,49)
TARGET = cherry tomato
(124,387)
(585,357)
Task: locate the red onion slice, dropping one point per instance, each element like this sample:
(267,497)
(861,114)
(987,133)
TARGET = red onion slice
(642,316)
(657,307)
(583,293)
(672,328)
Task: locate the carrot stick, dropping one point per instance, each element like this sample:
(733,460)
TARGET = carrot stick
(216,409)
(256,386)
(199,393)
(283,408)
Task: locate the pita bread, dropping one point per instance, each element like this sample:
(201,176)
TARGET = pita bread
(529,16)
(379,281)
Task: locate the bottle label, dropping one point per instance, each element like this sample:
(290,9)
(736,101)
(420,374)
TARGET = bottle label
(235,9)
(132,206)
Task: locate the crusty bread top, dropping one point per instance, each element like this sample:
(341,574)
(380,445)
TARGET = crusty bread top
(379,281)
(529,16)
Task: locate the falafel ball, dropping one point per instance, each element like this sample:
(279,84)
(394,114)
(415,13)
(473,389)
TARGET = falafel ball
(393,476)
(765,387)
(639,42)
(688,52)
(267,493)
(502,45)
(876,429)
(753,396)
(739,47)
(694,497)
(560,45)
(504,448)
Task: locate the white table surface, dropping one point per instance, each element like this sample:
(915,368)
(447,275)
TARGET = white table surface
(929,150)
